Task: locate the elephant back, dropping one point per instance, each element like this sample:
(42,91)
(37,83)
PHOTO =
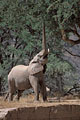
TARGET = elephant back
(35,68)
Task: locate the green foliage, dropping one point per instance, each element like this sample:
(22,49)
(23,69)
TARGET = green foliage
(21,31)
(56,64)
(64,11)
(61,72)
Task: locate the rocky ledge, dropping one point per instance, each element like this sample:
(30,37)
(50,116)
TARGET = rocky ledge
(54,112)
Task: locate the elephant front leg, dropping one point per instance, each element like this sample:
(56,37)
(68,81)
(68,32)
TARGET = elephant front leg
(36,92)
(43,90)
(34,83)
(19,93)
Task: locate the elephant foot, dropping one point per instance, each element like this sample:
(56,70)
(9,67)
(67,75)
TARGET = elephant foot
(16,98)
(36,101)
(45,100)
(10,100)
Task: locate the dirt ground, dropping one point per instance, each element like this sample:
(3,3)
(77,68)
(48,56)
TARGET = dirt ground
(28,101)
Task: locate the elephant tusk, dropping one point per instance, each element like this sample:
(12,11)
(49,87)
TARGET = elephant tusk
(48,50)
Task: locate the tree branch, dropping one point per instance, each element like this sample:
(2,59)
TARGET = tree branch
(65,38)
(71,53)
(32,31)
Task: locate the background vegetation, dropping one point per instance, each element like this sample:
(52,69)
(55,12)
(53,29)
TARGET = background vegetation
(21,36)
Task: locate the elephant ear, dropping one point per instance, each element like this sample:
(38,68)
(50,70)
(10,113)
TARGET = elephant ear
(35,68)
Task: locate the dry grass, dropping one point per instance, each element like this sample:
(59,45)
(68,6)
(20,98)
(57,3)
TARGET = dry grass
(22,102)
(28,101)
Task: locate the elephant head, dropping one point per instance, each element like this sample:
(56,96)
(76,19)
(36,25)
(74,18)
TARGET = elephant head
(39,62)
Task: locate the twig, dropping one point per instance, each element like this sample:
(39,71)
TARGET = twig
(71,53)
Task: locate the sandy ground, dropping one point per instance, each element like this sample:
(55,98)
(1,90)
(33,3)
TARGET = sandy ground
(28,101)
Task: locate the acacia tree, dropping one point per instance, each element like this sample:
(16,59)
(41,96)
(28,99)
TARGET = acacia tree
(66,16)
(21,30)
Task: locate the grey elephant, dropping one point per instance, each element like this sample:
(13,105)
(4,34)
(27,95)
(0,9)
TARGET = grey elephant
(23,77)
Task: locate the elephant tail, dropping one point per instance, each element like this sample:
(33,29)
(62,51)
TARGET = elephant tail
(6,96)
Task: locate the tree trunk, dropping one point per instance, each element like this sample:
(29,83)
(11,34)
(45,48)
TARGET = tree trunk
(59,83)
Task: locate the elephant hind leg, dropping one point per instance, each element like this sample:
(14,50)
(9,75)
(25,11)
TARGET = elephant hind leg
(43,90)
(35,84)
(19,94)
(11,89)
(10,97)
(6,96)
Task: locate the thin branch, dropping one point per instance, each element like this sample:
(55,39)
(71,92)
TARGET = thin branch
(74,32)
(65,38)
(71,53)
(31,30)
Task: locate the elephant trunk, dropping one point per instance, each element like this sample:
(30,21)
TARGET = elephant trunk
(45,51)
(44,38)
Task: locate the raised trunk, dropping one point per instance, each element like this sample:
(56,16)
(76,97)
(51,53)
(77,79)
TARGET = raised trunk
(0,85)
(44,38)
(1,61)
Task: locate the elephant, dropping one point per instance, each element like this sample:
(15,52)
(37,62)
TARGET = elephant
(22,77)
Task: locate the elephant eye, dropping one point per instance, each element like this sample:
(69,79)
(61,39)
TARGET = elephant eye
(39,56)
(45,56)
